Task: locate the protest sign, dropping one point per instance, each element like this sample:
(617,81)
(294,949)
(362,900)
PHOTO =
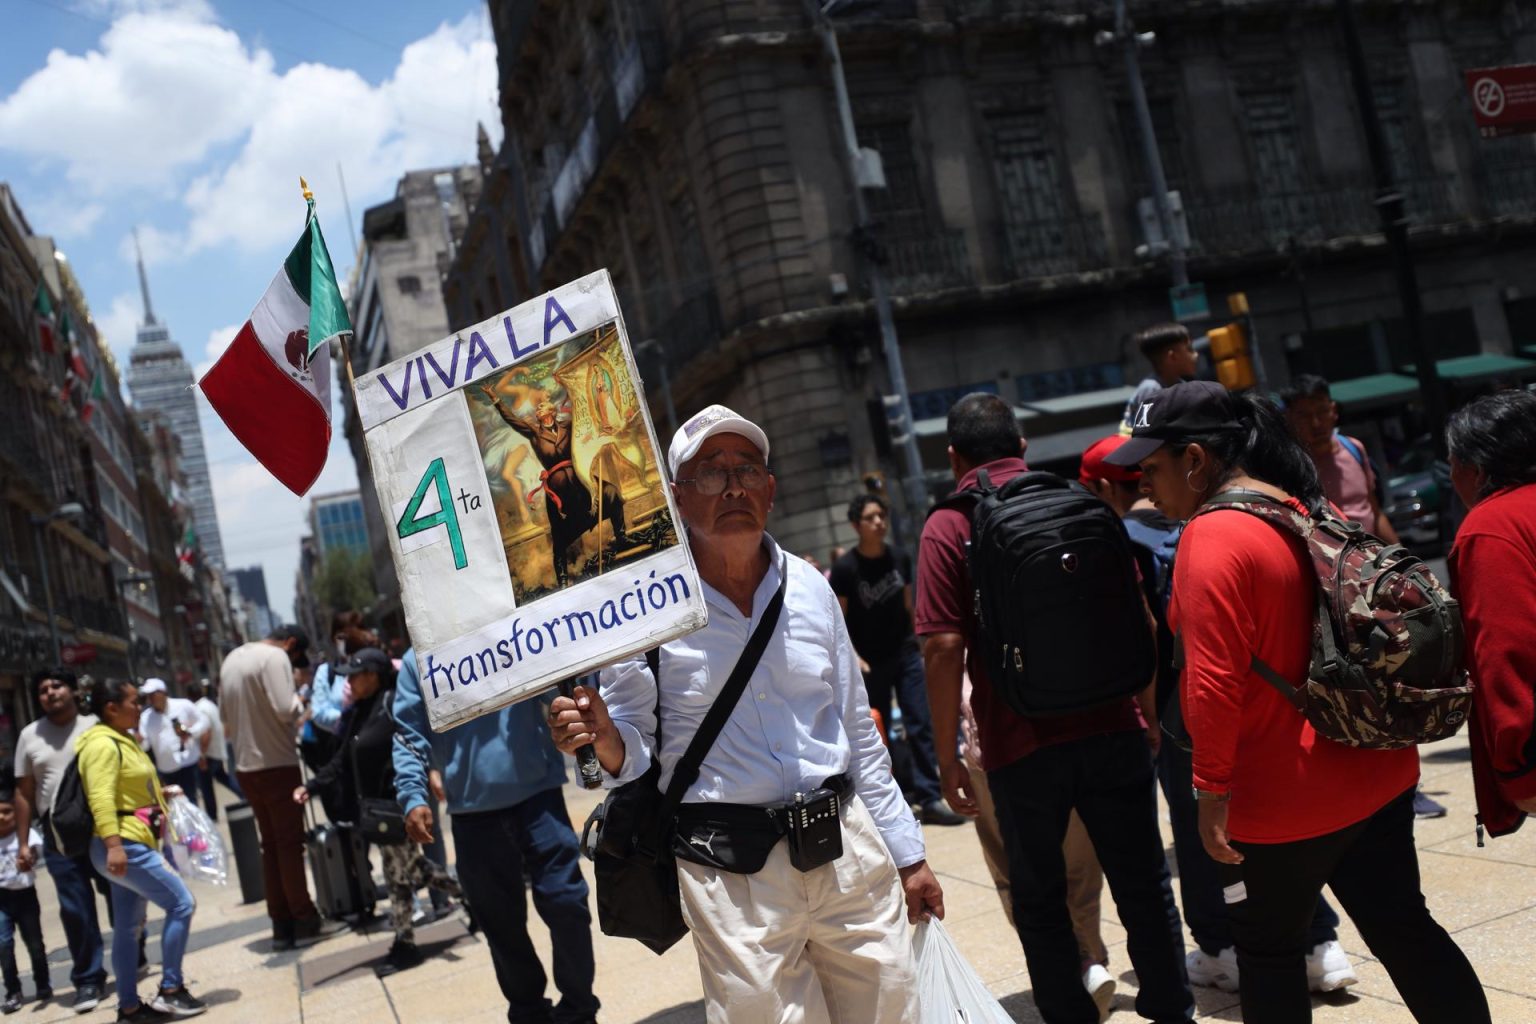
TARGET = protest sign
(532,527)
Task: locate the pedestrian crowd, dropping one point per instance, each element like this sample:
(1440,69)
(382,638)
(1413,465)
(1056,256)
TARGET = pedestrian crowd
(1051,655)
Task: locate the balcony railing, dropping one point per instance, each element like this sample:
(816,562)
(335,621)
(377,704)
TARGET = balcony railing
(1244,221)
(1048,247)
(920,259)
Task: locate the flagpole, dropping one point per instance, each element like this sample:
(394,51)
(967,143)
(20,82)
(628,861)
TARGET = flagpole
(346,357)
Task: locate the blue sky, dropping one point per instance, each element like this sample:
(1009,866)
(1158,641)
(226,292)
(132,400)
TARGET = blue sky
(192,121)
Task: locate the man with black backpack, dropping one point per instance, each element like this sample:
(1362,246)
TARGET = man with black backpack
(1031,584)
(44,751)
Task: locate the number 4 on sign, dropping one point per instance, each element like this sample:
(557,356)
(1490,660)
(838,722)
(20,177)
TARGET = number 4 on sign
(412,522)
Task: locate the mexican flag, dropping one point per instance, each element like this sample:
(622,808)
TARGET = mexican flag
(43,307)
(272,386)
(98,393)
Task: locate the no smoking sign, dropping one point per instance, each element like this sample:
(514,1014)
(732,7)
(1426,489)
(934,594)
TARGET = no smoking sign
(1503,99)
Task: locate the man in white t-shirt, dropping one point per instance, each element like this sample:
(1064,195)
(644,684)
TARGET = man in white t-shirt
(171,729)
(44,750)
(212,768)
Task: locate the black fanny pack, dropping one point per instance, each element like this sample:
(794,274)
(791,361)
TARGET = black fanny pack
(739,837)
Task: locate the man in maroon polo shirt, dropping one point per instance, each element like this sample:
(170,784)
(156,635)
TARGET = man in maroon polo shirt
(1039,770)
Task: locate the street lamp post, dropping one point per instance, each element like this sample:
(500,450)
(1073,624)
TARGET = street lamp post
(68,510)
(1130,41)
(141,580)
(912,476)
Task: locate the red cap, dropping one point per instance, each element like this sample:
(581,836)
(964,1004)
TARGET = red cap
(1095,468)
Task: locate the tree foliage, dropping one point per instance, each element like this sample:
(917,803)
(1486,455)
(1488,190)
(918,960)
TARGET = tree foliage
(344,580)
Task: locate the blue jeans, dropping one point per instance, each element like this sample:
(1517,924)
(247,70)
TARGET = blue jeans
(495,849)
(1205,908)
(150,878)
(1109,780)
(903,675)
(77,910)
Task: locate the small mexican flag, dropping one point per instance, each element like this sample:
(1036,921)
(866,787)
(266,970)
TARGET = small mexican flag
(98,392)
(43,307)
(73,357)
(272,386)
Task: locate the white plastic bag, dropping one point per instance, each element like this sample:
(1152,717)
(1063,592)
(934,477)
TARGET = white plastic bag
(197,849)
(948,990)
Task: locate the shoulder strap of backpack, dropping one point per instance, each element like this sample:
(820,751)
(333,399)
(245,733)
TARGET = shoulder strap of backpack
(1355,448)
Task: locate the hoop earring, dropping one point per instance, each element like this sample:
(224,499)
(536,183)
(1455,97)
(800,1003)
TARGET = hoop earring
(1190,484)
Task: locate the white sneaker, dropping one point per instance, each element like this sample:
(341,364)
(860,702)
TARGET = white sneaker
(1101,985)
(1208,971)
(1328,968)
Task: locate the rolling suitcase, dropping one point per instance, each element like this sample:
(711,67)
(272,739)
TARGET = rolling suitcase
(338,859)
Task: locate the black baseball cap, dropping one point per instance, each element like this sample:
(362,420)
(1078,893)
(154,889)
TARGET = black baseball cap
(369,659)
(1188,409)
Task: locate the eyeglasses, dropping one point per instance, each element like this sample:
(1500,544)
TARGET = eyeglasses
(711,480)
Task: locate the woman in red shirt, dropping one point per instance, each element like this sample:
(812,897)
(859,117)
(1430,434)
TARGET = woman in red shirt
(1493,565)
(1283,811)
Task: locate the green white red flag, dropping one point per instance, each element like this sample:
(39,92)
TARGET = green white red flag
(98,393)
(42,305)
(272,386)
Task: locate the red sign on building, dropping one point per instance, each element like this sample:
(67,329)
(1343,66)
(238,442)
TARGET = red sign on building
(77,654)
(1503,99)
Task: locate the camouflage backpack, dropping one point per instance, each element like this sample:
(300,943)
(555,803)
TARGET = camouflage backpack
(1387,646)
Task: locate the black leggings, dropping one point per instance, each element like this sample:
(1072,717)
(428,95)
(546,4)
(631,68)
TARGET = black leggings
(1373,869)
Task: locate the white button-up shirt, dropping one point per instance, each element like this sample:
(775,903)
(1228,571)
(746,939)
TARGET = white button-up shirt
(158,731)
(803,717)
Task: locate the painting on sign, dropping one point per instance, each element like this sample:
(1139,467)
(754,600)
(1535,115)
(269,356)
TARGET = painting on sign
(533,528)
(575,480)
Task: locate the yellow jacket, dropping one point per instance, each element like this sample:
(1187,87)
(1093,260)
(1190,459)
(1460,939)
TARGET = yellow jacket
(119,778)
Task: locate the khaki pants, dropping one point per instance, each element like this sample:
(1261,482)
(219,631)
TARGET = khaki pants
(824,946)
(1085,880)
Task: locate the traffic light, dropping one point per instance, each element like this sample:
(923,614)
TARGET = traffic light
(1229,353)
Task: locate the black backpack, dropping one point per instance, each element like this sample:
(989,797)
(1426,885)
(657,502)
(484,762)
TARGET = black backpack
(70,823)
(1062,625)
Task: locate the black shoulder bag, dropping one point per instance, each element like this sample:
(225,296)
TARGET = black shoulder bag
(380,820)
(637,895)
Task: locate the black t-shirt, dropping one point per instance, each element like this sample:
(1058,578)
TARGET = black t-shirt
(875,589)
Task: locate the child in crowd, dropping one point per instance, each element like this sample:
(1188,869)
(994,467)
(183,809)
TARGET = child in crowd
(18,907)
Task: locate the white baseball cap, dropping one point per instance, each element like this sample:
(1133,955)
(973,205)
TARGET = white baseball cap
(706,423)
(152,686)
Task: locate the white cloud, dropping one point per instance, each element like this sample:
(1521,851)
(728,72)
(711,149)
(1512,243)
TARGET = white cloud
(319,117)
(165,86)
(66,219)
(118,325)
(218,340)
(158,246)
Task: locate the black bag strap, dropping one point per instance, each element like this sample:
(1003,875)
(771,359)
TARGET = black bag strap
(687,770)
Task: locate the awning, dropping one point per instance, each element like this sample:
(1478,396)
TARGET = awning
(939,425)
(1377,389)
(1109,398)
(1481,367)
(1067,444)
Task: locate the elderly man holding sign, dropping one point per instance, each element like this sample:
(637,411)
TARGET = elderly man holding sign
(785,923)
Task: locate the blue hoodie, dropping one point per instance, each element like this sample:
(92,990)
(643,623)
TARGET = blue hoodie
(489,763)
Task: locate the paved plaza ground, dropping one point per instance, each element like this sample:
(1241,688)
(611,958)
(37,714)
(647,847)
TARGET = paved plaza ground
(1486,898)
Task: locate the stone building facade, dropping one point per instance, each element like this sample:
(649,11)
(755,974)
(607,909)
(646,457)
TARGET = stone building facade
(46,466)
(692,148)
(396,304)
